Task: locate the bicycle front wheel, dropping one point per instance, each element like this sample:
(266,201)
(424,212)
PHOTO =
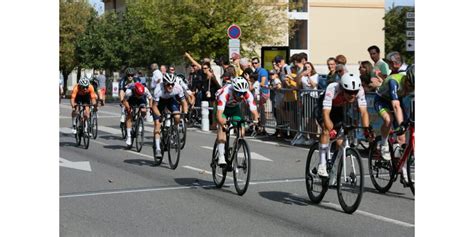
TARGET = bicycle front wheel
(139,134)
(241,167)
(315,185)
(218,173)
(182,130)
(94,124)
(350,181)
(411,171)
(380,170)
(87,131)
(78,130)
(174,147)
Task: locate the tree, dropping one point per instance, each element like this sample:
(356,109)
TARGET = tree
(73,19)
(395,36)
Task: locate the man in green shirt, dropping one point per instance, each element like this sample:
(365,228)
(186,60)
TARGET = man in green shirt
(381,69)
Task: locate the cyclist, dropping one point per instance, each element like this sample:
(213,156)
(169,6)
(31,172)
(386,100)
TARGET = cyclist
(168,94)
(388,100)
(337,95)
(228,99)
(127,80)
(94,81)
(83,93)
(135,95)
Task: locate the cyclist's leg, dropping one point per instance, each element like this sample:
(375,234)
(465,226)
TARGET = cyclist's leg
(156,113)
(383,108)
(221,138)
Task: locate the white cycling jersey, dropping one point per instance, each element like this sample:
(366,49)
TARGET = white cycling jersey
(161,93)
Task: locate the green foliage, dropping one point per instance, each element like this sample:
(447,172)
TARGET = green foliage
(161,31)
(395,36)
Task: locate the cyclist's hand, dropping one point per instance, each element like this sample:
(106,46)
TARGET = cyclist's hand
(332,134)
(400,130)
(73,106)
(369,134)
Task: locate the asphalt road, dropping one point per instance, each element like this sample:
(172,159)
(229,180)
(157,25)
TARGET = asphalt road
(109,191)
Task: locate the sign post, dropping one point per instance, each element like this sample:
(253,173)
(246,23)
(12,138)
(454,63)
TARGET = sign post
(234,33)
(410,31)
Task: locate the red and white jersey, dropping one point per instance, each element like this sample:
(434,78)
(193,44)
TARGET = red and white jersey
(225,98)
(334,96)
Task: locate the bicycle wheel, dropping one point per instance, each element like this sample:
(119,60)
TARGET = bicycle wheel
(218,173)
(94,124)
(158,160)
(350,181)
(78,134)
(380,170)
(174,146)
(139,133)
(241,167)
(182,130)
(411,171)
(87,131)
(315,185)
(123,128)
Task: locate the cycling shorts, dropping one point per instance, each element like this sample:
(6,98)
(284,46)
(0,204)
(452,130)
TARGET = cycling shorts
(137,101)
(382,105)
(232,112)
(83,99)
(336,115)
(171,104)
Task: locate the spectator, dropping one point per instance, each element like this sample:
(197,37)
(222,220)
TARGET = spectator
(341,59)
(277,101)
(365,68)
(381,69)
(290,101)
(264,91)
(211,85)
(142,78)
(340,71)
(236,64)
(172,70)
(331,77)
(399,58)
(61,86)
(226,77)
(285,69)
(244,64)
(309,81)
(102,86)
(157,76)
(304,57)
(163,69)
(298,64)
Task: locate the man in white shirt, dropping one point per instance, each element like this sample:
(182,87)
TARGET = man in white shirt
(157,76)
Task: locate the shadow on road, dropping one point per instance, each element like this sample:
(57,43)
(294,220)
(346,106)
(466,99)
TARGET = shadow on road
(284,197)
(112,137)
(389,194)
(195,182)
(115,147)
(66,144)
(140,162)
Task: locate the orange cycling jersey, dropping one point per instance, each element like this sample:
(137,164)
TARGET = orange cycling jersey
(80,92)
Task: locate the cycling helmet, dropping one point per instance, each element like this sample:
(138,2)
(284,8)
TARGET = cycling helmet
(169,78)
(84,82)
(130,71)
(350,82)
(411,74)
(139,89)
(240,84)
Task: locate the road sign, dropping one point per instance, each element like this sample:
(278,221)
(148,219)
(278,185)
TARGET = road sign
(410,33)
(234,43)
(233,31)
(410,24)
(410,45)
(410,15)
(115,89)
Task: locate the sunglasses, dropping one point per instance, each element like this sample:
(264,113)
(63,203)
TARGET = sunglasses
(172,70)
(130,75)
(254,62)
(351,92)
(239,94)
(205,68)
(170,84)
(84,87)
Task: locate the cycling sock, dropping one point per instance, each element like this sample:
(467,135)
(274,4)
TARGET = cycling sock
(73,122)
(157,141)
(221,149)
(322,153)
(129,131)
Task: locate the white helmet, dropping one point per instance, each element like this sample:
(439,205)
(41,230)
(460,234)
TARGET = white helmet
(350,82)
(240,84)
(169,78)
(84,82)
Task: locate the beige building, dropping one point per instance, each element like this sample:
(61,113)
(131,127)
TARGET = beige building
(327,28)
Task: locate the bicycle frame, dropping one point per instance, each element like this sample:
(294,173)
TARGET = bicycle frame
(408,149)
(341,150)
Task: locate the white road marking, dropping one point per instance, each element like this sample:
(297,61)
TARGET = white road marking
(253,155)
(110,130)
(78,165)
(99,116)
(65,130)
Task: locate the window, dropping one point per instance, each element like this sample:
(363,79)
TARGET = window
(298,5)
(300,38)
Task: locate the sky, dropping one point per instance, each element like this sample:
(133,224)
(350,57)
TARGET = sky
(99,5)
